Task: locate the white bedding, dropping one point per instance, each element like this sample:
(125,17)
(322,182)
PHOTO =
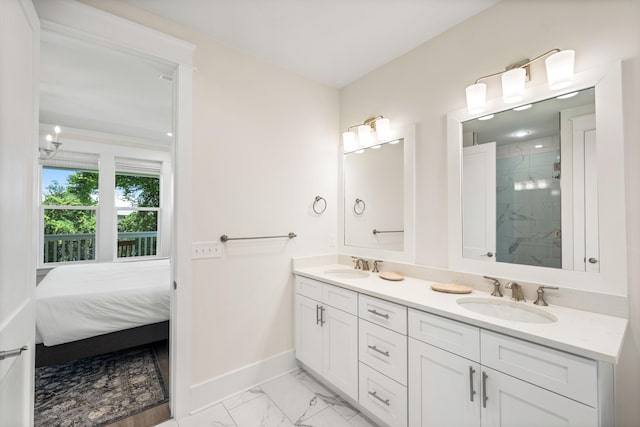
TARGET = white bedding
(80,301)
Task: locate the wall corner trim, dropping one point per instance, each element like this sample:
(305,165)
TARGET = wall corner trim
(210,392)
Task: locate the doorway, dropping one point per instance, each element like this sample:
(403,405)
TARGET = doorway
(85,24)
(103,298)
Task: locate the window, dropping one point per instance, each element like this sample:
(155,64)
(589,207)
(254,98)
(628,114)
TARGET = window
(97,207)
(137,207)
(69,206)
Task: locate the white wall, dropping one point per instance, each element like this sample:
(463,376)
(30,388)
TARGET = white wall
(426,83)
(264,145)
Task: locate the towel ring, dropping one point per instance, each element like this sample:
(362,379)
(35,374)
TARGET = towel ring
(359,207)
(319,201)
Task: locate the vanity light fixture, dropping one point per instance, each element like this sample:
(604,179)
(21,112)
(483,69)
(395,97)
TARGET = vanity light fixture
(559,66)
(53,144)
(378,124)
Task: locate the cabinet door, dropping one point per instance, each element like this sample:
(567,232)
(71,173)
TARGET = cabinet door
(340,350)
(308,332)
(515,403)
(444,389)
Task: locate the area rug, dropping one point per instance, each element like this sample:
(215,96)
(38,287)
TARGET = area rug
(99,390)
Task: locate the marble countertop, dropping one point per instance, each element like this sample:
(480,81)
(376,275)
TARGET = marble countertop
(591,335)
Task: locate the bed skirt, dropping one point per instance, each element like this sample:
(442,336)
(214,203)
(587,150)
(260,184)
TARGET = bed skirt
(101,344)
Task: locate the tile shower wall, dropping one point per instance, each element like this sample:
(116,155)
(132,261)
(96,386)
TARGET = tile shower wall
(528,203)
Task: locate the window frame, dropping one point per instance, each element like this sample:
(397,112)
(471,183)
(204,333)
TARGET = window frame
(108,147)
(158,209)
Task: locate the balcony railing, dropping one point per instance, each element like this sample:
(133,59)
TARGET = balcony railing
(81,247)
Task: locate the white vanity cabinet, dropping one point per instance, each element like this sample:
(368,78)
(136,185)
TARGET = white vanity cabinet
(405,366)
(462,375)
(326,332)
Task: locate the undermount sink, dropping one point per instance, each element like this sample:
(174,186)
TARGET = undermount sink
(506,310)
(346,273)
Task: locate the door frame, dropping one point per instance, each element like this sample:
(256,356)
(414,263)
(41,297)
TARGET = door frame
(84,22)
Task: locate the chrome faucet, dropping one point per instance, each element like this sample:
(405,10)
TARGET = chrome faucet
(540,300)
(361,264)
(496,283)
(516,291)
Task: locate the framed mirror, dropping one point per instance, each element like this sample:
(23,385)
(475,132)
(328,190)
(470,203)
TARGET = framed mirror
(537,193)
(377,199)
(532,171)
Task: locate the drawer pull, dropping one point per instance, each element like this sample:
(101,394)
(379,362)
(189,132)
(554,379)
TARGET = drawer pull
(386,316)
(317,314)
(375,394)
(472,392)
(374,348)
(322,310)
(484,389)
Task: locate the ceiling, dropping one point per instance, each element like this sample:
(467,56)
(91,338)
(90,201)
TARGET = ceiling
(94,88)
(331,41)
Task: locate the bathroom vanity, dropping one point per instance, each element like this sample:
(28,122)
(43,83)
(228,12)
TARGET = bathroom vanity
(408,355)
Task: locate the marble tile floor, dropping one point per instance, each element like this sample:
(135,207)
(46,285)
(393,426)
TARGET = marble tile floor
(293,399)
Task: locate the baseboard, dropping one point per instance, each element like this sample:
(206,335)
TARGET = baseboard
(210,392)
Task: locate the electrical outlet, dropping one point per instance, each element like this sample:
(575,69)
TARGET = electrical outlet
(201,250)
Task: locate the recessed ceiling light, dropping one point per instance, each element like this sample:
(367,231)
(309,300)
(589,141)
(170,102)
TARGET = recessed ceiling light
(539,146)
(567,95)
(523,107)
(375,147)
(169,134)
(487,117)
(521,133)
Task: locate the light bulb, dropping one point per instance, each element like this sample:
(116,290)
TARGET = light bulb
(349,141)
(476,98)
(382,129)
(513,85)
(364,135)
(560,67)
(57,129)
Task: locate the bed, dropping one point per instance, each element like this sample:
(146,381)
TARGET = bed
(88,309)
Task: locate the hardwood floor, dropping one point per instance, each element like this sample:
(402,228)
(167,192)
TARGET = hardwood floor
(160,413)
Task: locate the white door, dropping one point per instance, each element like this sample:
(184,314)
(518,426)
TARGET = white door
(444,389)
(479,202)
(308,333)
(340,350)
(515,403)
(584,196)
(19,48)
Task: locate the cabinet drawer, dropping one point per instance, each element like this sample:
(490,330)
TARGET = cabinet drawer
(383,350)
(456,337)
(383,313)
(342,299)
(383,397)
(309,288)
(564,373)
